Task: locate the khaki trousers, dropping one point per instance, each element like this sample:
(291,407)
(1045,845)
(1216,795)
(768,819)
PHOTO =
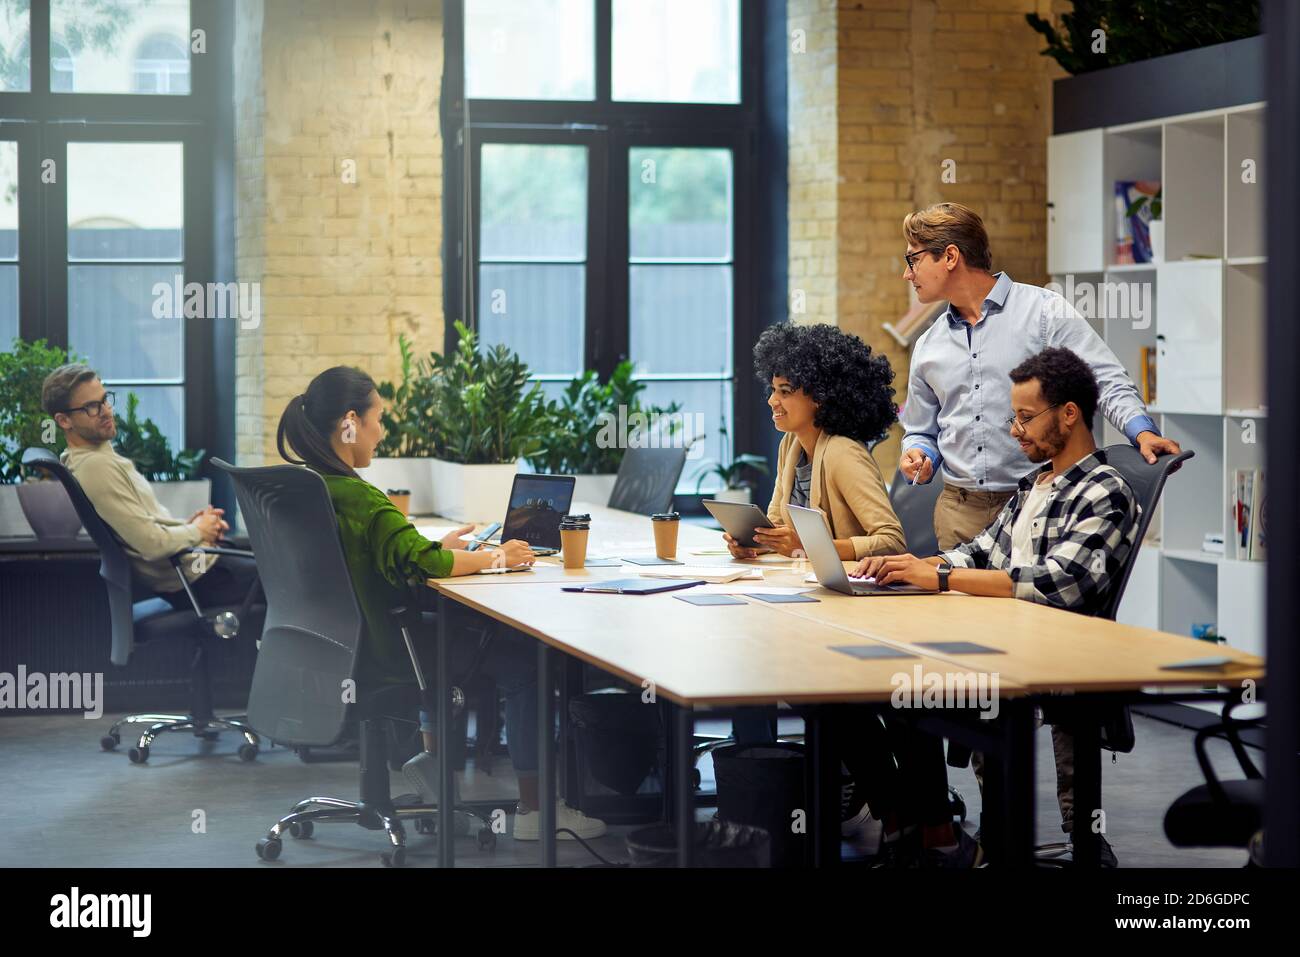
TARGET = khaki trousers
(959,515)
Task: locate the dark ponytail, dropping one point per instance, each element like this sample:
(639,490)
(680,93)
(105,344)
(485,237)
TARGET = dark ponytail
(309,419)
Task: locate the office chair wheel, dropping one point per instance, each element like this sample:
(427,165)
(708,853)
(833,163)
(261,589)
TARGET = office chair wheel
(301,829)
(268,848)
(208,735)
(247,752)
(394,858)
(109,742)
(424,825)
(138,755)
(487,839)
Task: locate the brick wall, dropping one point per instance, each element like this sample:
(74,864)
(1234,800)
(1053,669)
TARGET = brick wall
(339,215)
(912,84)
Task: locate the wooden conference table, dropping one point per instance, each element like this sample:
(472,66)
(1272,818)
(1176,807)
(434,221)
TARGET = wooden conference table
(724,657)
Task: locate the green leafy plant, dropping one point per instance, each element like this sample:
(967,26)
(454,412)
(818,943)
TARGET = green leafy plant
(23,423)
(479,407)
(1133,30)
(580,415)
(732,473)
(1137,204)
(407,416)
(141,441)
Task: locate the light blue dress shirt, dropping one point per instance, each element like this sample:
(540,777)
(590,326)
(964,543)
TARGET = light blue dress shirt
(959,388)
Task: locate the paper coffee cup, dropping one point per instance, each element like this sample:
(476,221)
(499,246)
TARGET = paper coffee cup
(665,525)
(574,531)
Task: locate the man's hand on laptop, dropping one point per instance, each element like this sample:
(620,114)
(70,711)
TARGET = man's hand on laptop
(898,570)
(783,539)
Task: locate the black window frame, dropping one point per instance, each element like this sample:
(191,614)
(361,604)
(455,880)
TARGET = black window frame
(753,129)
(44,122)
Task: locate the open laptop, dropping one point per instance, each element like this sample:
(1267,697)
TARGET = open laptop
(820,549)
(537,503)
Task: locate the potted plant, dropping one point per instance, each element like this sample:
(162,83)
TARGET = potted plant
(174,478)
(735,487)
(581,443)
(482,417)
(401,460)
(23,425)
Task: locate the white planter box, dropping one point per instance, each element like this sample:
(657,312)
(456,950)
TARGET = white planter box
(13,523)
(1157,228)
(471,493)
(594,489)
(183,499)
(413,474)
(739,495)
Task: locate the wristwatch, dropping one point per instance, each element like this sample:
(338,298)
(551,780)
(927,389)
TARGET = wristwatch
(944,568)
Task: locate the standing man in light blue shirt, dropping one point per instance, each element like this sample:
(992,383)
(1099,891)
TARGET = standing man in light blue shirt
(958,391)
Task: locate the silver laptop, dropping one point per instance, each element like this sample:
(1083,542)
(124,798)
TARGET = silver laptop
(820,549)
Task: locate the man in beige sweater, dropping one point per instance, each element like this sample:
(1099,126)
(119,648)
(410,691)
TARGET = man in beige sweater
(83,409)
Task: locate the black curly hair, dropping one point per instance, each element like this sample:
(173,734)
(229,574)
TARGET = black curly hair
(850,385)
(1063,377)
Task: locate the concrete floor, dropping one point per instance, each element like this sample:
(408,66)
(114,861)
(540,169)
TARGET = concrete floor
(65,803)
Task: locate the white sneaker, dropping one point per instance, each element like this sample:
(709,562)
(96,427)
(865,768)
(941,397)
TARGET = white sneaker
(528,824)
(422,772)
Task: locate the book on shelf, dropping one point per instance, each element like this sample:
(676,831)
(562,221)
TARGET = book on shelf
(1147,367)
(1248,514)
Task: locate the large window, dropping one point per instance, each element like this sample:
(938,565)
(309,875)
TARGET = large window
(105,153)
(608,147)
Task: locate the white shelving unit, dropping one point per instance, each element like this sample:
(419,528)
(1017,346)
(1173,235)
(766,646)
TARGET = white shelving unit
(1202,311)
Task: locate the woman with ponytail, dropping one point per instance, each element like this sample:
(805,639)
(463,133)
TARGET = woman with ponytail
(333,429)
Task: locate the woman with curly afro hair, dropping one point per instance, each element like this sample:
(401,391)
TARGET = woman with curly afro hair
(830,396)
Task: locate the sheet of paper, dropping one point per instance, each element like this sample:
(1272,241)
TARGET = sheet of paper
(747,588)
(704,572)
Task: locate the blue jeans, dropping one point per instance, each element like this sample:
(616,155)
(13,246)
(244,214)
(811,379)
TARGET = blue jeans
(510,658)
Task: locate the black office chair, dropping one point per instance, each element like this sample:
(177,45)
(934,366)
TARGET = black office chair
(1147,482)
(137,616)
(914,506)
(1220,813)
(304,690)
(646,480)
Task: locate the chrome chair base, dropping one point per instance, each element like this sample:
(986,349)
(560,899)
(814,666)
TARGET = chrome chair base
(207,729)
(301,820)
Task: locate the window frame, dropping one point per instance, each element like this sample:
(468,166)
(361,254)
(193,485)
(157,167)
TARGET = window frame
(622,125)
(45,122)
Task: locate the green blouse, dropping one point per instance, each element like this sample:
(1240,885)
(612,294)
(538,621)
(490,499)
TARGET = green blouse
(388,560)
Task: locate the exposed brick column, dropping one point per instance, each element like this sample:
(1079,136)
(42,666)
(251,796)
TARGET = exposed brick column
(911,84)
(339,164)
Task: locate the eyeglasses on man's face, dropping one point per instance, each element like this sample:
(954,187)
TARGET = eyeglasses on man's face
(92,409)
(911,258)
(1017,424)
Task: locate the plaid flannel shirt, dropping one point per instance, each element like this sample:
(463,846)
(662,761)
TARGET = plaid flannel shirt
(1082,538)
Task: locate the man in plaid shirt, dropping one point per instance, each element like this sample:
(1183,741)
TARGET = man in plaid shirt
(1060,538)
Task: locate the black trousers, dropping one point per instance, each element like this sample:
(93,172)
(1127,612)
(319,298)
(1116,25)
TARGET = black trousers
(900,770)
(228,582)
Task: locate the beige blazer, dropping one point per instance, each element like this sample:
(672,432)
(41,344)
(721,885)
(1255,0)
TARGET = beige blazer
(847,488)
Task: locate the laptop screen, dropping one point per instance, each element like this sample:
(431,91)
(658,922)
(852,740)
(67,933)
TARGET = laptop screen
(537,503)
